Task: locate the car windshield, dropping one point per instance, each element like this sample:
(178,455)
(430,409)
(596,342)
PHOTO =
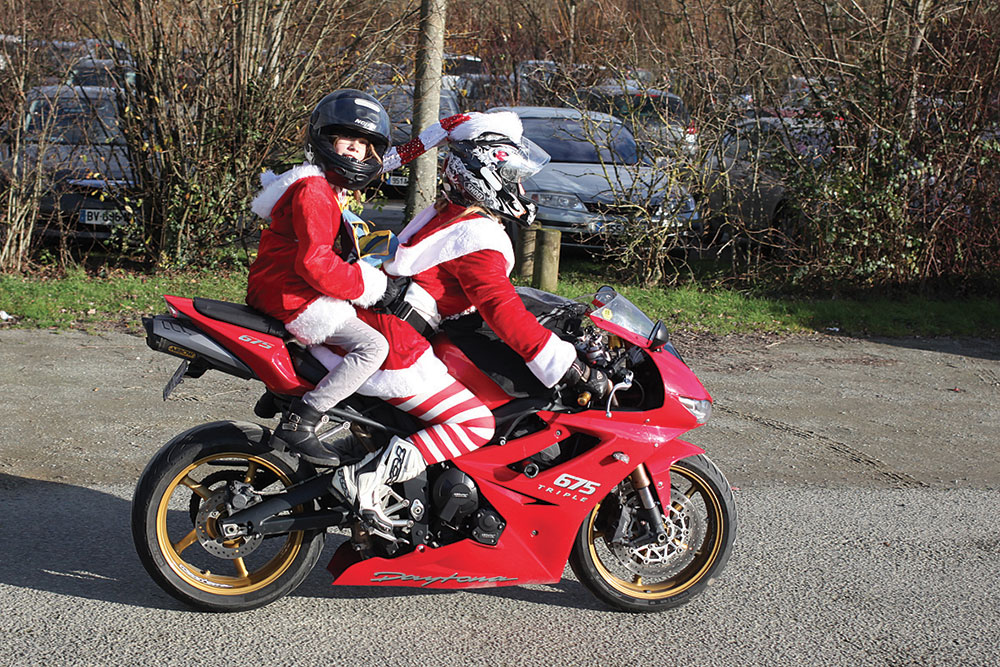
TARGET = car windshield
(583,141)
(102,77)
(645,108)
(74,120)
(463,66)
(812,142)
(398,104)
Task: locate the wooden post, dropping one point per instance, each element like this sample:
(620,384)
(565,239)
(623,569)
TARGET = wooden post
(525,252)
(547,260)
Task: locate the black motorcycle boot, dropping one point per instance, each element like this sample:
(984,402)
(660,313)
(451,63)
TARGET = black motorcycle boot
(298,431)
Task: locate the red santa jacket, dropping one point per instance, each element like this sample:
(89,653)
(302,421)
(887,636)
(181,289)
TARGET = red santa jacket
(461,263)
(300,275)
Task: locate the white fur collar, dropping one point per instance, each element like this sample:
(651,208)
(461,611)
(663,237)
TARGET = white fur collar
(275,185)
(418,222)
(455,240)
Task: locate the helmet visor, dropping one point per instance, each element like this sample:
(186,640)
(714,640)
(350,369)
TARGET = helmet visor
(527,161)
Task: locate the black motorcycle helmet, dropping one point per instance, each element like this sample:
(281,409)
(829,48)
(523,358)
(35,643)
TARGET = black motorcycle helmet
(349,113)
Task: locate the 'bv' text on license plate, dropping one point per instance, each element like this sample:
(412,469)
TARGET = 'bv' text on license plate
(102,216)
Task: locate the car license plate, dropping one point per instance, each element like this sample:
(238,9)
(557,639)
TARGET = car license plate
(102,216)
(399,180)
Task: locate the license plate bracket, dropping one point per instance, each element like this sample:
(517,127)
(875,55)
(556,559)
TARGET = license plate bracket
(175,379)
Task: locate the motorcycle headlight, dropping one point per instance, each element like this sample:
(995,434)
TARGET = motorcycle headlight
(700,410)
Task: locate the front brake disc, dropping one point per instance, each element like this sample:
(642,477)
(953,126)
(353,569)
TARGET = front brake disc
(661,560)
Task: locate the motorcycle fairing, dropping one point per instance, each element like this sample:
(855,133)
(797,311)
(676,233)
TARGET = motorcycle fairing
(658,465)
(460,366)
(265,354)
(542,513)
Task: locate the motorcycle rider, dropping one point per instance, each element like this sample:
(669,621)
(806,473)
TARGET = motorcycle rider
(306,273)
(458,255)
(458,258)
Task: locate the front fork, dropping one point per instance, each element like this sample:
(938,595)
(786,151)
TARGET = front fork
(651,516)
(657,467)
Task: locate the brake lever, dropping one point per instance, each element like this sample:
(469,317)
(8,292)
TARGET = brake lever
(626,383)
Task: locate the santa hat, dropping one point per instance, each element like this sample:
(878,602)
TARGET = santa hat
(460,127)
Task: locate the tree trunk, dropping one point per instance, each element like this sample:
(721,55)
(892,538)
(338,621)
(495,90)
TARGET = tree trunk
(426,103)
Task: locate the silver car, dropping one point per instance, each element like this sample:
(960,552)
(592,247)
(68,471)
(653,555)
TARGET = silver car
(598,182)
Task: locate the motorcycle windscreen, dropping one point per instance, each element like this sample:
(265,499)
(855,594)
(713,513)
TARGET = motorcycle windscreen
(619,316)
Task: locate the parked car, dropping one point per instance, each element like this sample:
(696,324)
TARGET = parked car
(547,82)
(72,135)
(459,69)
(398,103)
(597,180)
(744,183)
(656,117)
(103,73)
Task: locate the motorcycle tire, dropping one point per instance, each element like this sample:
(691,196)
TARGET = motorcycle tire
(701,525)
(181,494)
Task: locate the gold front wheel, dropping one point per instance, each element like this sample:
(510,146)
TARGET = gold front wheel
(617,558)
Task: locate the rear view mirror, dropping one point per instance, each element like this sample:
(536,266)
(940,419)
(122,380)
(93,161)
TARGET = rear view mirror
(659,336)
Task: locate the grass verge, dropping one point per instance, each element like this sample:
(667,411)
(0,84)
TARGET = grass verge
(117,300)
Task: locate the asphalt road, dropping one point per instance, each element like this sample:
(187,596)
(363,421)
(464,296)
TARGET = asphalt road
(866,475)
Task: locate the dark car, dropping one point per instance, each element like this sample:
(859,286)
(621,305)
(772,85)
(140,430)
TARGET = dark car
(398,103)
(70,137)
(656,117)
(101,73)
(597,180)
(745,177)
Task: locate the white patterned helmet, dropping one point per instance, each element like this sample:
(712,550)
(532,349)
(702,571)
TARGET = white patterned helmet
(487,171)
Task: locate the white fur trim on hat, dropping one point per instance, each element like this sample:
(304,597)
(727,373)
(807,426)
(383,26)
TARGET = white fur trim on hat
(553,360)
(427,374)
(374,281)
(320,320)
(275,185)
(455,240)
(506,123)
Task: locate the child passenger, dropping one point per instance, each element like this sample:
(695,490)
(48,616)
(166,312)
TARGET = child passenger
(306,273)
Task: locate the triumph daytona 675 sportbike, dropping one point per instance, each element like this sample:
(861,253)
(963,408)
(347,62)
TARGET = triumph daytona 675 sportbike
(225,519)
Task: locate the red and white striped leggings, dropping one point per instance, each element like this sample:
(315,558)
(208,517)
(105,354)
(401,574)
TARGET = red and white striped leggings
(456,422)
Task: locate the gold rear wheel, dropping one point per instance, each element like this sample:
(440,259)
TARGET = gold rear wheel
(195,552)
(184,492)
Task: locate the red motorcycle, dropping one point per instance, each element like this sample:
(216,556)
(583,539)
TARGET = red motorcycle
(225,519)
